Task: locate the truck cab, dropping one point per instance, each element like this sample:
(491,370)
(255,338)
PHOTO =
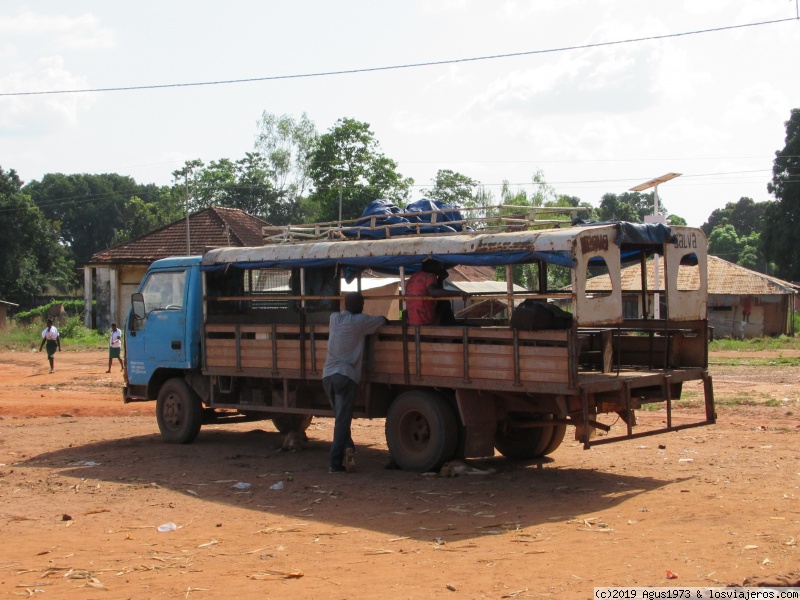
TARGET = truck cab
(163,330)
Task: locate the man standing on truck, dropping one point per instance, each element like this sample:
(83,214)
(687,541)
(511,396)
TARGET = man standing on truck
(342,372)
(429,282)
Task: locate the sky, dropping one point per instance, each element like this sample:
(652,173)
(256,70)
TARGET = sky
(593,111)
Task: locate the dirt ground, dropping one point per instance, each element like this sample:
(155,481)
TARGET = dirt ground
(85,483)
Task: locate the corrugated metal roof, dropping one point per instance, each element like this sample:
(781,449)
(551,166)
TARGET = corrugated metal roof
(212,227)
(485,287)
(723,278)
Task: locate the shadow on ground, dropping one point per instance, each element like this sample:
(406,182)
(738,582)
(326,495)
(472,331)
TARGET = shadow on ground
(515,495)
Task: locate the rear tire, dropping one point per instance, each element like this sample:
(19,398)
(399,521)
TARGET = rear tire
(286,423)
(559,430)
(179,412)
(522,443)
(421,431)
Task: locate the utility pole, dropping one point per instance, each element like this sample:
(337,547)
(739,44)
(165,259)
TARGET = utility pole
(339,182)
(655,218)
(186,210)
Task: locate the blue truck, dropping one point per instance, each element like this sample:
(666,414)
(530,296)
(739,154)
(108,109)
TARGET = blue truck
(243,331)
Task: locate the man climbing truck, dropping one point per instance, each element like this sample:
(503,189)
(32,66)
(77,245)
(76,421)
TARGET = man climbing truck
(246,329)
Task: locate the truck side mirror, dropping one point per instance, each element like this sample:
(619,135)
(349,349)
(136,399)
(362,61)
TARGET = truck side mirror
(137,303)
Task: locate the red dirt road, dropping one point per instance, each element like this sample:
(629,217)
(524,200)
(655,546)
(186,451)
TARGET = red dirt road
(85,481)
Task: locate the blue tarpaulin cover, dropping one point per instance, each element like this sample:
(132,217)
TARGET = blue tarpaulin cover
(388,213)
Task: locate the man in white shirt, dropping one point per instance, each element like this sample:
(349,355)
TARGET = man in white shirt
(115,347)
(348,331)
(53,340)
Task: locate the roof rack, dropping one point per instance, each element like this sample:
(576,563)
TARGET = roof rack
(475,220)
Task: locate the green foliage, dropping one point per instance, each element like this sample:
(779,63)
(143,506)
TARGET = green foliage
(140,217)
(779,240)
(743,249)
(71,308)
(243,184)
(725,243)
(453,188)
(72,330)
(19,336)
(347,163)
(630,206)
(745,216)
(781,342)
(676,220)
(88,209)
(27,336)
(544,195)
(32,259)
(286,144)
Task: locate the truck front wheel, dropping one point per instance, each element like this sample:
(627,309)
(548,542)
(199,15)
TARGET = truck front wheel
(179,412)
(421,431)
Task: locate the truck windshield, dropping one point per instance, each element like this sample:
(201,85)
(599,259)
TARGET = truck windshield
(164,291)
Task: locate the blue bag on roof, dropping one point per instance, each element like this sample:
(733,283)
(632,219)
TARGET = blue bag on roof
(384,212)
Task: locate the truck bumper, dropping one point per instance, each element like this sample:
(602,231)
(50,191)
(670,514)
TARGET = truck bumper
(129,394)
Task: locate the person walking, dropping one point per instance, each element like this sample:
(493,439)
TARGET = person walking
(52,340)
(342,372)
(115,347)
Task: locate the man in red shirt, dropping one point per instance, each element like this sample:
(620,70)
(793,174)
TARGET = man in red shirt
(428,282)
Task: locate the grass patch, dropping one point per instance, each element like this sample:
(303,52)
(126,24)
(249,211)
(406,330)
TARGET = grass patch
(74,336)
(760,400)
(694,399)
(755,361)
(782,342)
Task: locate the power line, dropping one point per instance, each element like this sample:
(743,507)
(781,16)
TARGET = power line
(402,66)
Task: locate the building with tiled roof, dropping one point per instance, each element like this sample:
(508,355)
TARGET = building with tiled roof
(741,302)
(114,274)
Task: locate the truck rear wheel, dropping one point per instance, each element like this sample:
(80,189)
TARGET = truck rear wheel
(559,430)
(286,423)
(523,442)
(179,412)
(421,431)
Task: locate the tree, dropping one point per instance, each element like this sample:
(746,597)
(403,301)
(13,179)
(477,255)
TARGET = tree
(746,216)
(286,144)
(453,188)
(139,216)
(32,260)
(629,206)
(544,195)
(725,243)
(676,220)
(742,250)
(347,163)
(782,221)
(86,209)
(243,184)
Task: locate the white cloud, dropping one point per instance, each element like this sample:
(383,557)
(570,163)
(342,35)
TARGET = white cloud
(755,104)
(83,32)
(603,80)
(34,114)
(435,7)
(7,51)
